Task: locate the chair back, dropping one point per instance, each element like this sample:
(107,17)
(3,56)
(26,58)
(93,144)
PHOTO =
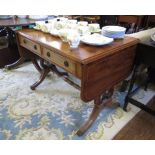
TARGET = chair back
(131,22)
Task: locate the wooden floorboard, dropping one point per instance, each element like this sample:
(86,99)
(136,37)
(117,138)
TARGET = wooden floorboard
(141,127)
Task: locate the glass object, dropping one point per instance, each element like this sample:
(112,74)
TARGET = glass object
(73,39)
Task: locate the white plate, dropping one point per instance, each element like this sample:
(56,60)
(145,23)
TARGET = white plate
(113,35)
(114,29)
(96,39)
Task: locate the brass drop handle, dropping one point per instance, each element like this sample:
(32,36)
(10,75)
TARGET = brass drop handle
(48,54)
(24,41)
(66,63)
(35,47)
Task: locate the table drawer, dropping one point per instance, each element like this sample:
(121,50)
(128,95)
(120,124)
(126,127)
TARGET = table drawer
(30,45)
(61,61)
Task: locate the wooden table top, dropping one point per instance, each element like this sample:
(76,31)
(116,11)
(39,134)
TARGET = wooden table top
(84,53)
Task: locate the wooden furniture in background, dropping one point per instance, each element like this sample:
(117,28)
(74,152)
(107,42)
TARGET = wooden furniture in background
(10,54)
(17,22)
(132,21)
(89,18)
(76,17)
(146,56)
(108,20)
(98,68)
(150,21)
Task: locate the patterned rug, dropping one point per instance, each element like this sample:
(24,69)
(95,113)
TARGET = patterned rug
(53,111)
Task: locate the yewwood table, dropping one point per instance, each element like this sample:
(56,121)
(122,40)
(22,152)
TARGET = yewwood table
(99,68)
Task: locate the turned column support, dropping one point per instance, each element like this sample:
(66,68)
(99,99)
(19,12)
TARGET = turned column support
(36,65)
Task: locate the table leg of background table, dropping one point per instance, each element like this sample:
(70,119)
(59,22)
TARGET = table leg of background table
(15,64)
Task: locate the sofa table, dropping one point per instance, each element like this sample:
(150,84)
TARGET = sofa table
(99,68)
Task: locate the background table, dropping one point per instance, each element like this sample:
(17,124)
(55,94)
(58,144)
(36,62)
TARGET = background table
(10,55)
(146,56)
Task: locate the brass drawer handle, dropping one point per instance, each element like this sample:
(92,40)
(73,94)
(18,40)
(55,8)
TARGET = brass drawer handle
(48,54)
(24,41)
(66,64)
(35,47)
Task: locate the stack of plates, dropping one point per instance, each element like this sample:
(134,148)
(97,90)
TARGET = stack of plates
(113,31)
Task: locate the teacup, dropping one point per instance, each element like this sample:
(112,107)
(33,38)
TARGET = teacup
(63,19)
(63,33)
(94,27)
(59,25)
(39,24)
(71,26)
(51,21)
(72,21)
(46,27)
(82,23)
(83,30)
